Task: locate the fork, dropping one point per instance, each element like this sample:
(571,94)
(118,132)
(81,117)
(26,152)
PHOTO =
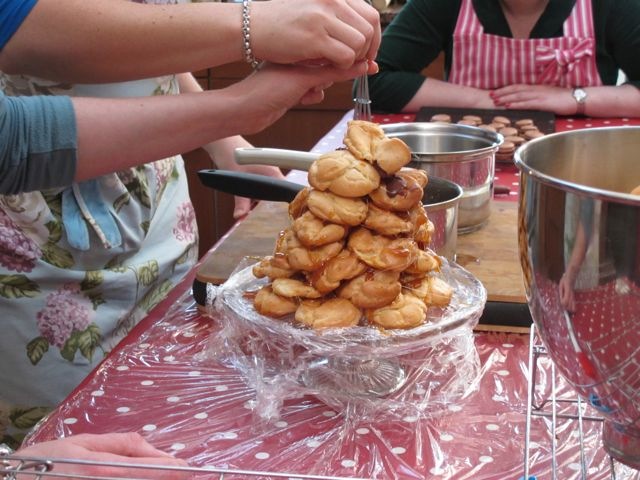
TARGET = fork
(362,103)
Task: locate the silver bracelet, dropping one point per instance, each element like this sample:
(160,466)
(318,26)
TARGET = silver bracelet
(246,35)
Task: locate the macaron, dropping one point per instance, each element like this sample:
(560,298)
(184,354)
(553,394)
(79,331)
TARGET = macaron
(508,131)
(441,118)
(473,118)
(501,119)
(531,134)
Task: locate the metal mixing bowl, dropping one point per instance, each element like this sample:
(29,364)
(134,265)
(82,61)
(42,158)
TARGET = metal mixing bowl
(579,232)
(460,153)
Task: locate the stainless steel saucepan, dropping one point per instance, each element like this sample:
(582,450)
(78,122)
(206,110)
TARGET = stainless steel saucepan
(441,198)
(462,154)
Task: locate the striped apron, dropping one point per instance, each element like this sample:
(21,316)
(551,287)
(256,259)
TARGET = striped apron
(487,61)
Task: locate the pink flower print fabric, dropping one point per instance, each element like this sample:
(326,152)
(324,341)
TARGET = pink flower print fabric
(18,252)
(67,310)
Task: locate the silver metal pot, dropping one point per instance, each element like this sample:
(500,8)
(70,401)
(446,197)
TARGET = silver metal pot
(441,201)
(460,153)
(579,232)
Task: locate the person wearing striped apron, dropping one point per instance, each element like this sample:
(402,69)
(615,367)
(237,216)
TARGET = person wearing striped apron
(562,56)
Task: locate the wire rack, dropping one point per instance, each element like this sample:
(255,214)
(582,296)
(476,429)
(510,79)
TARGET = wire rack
(567,407)
(40,468)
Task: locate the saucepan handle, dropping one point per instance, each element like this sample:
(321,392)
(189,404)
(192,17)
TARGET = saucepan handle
(250,185)
(286,159)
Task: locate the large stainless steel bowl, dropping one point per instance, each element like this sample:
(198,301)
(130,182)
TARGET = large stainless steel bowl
(579,232)
(460,153)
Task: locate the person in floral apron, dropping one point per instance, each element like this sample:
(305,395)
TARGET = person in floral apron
(81,265)
(562,56)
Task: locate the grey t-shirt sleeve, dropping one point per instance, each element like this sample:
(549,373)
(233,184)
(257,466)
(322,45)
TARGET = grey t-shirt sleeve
(38,143)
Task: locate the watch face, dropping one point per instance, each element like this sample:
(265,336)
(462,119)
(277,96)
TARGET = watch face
(580,95)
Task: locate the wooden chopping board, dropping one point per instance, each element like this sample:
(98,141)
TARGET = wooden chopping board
(490,253)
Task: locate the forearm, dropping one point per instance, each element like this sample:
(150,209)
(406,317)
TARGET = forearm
(158,127)
(63,40)
(221,151)
(438,93)
(613,101)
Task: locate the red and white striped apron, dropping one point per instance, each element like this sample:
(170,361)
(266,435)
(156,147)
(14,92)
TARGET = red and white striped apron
(489,61)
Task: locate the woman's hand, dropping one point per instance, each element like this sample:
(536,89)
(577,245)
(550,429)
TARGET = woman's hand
(558,100)
(110,447)
(565,290)
(336,32)
(263,97)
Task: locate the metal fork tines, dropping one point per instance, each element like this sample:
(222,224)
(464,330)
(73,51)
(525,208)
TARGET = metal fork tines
(362,103)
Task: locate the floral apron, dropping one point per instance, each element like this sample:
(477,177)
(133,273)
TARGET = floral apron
(80,266)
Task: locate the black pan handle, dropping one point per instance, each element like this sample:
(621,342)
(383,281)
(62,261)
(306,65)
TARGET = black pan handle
(250,185)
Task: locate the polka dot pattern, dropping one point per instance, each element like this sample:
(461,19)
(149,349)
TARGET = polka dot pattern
(156,383)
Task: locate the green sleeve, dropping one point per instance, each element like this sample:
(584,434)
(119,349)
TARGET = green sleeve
(415,37)
(617,25)
(38,140)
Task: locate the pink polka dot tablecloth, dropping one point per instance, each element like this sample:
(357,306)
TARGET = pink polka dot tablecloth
(507,176)
(163,383)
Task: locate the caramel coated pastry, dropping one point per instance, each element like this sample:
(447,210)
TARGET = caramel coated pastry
(426,261)
(300,257)
(432,290)
(418,175)
(336,209)
(343,266)
(266,268)
(489,128)
(382,252)
(314,232)
(343,174)
(291,254)
(385,222)
(424,233)
(391,154)
(293,288)
(372,289)
(361,137)
(423,228)
(298,205)
(406,311)
(400,193)
(332,313)
(272,305)
(286,238)
(471,123)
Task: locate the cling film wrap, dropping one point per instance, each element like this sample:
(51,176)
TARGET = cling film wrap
(163,383)
(363,370)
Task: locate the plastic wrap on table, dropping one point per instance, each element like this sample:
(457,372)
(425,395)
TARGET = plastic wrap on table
(158,382)
(363,369)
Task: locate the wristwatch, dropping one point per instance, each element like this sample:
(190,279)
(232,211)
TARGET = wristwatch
(580,96)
